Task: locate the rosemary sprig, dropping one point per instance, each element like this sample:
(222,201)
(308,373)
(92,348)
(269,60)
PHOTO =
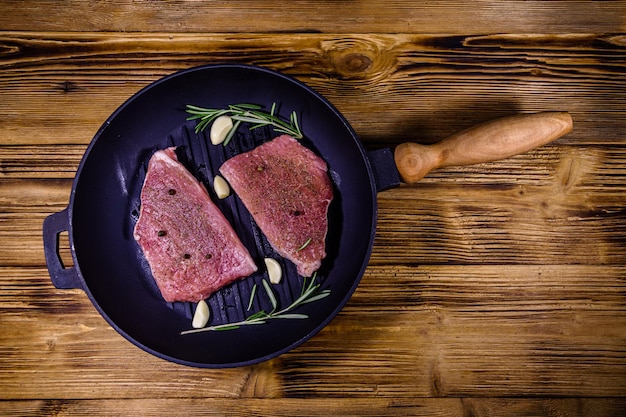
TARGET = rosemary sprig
(309,294)
(245,113)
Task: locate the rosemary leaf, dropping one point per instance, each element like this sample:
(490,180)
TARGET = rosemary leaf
(231,132)
(191,108)
(252,294)
(249,119)
(292,116)
(257,315)
(223,328)
(245,106)
(316,297)
(202,125)
(270,295)
(292,316)
(304,245)
(257,126)
(303,290)
(258,321)
(298,301)
(295,121)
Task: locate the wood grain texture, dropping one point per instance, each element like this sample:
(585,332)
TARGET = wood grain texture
(316,16)
(494,289)
(445,407)
(391,88)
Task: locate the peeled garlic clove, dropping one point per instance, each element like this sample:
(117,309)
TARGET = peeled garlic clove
(220,128)
(222,190)
(274,270)
(201,315)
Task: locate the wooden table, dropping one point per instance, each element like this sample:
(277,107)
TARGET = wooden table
(495,289)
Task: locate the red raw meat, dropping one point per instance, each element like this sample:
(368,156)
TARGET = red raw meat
(286,189)
(192,249)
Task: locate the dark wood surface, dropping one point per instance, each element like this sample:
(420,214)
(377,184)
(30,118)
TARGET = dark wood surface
(494,289)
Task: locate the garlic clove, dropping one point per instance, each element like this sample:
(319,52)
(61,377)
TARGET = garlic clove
(220,128)
(274,270)
(201,315)
(222,190)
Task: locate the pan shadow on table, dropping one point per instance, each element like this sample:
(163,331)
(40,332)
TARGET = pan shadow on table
(458,115)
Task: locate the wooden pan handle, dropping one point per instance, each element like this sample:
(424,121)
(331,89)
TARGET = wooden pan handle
(490,141)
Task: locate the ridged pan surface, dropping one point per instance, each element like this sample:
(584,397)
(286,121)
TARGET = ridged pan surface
(105,202)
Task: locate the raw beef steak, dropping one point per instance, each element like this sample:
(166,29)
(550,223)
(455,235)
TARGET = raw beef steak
(192,249)
(286,189)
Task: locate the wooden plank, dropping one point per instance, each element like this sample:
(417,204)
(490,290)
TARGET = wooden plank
(447,407)
(316,16)
(391,88)
(557,218)
(427,331)
(38,161)
(24,204)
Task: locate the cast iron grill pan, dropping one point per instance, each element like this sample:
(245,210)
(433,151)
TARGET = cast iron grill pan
(105,199)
